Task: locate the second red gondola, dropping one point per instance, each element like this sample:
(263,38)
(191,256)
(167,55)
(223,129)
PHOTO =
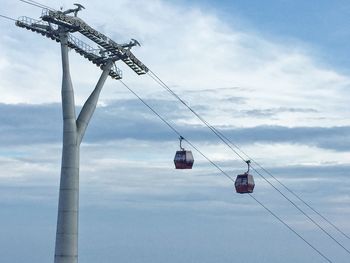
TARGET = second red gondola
(183,159)
(245,182)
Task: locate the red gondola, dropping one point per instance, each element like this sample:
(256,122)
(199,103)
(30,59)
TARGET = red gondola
(245,182)
(183,159)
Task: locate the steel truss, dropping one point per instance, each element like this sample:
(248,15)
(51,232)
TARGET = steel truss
(53,22)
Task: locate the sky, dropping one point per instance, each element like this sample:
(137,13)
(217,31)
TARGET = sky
(273,76)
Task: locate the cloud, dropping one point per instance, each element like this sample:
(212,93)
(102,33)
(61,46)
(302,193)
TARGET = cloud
(334,138)
(271,112)
(123,119)
(29,124)
(191,50)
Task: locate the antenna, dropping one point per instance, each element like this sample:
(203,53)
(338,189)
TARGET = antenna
(75,10)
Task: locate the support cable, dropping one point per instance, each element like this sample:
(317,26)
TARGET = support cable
(224,173)
(37,4)
(291,229)
(176,131)
(9,18)
(149,107)
(225,141)
(302,211)
(30,3)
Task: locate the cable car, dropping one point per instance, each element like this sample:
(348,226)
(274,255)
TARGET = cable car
(245,182)
(183,159)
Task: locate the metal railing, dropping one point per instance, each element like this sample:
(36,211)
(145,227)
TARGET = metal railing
(97,56)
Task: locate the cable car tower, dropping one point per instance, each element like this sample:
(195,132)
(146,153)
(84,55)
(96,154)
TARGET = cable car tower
(60,27)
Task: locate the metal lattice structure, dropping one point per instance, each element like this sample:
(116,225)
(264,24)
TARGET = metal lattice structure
(52,22)
(60,27)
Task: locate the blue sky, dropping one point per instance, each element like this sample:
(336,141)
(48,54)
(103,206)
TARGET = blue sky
(272,75)
(322,23)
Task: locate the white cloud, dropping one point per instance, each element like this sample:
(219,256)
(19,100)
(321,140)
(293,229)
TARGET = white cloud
(287,154)
(190,50)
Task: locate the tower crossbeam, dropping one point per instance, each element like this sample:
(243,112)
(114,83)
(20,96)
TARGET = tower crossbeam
(74,23)
(96,56)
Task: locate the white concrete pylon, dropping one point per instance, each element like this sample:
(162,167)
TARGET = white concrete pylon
(66,249)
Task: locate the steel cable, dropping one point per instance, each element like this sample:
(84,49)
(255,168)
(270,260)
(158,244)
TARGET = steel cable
(227,142)
(224,173)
